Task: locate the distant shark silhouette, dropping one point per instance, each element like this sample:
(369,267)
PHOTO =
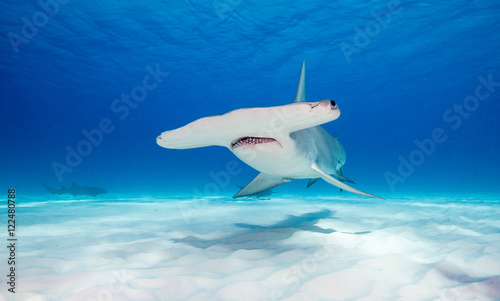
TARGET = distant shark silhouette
(284,143)
(76,190)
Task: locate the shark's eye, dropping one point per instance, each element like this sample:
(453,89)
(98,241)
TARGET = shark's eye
(334,105)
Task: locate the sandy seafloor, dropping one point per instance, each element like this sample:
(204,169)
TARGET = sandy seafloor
(284,248)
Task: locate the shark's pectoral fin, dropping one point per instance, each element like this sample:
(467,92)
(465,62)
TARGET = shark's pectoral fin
(312,181)
(338,183)
(260,183)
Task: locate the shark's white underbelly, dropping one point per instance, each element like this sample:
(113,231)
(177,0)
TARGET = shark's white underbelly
(285,159)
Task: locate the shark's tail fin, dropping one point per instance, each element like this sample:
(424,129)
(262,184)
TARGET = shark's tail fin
(50,189)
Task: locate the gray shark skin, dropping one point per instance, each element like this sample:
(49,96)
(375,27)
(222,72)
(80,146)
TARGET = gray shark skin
(284,143)
(76,190)
(264,195)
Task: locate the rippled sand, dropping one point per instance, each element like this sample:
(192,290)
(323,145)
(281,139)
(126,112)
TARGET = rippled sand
(286,248)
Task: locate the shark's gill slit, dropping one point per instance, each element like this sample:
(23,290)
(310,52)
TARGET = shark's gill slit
(250,140)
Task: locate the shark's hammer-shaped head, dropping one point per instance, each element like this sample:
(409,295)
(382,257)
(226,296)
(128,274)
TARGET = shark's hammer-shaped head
(267,147)
(250,127)
(281,121)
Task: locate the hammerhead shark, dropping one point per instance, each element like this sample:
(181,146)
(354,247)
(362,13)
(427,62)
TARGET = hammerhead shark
(76,190)
(284,143)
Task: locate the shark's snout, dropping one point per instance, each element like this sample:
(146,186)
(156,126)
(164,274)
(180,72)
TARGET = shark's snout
(159,141)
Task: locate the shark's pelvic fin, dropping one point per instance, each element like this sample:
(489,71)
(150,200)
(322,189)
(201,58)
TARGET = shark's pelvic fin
(338,183)
(338,176)
(260,183)
(342,178)
(312,181)
(301,88)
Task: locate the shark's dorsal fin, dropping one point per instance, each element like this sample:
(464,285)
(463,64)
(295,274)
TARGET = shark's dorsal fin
(328,178)
(312,181)
(301,88)
(260,183)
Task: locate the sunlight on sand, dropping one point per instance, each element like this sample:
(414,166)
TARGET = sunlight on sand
(287,248)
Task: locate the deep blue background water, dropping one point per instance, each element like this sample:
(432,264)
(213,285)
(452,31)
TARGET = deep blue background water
(225,55)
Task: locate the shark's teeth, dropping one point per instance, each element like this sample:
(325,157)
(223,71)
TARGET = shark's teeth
(251,140)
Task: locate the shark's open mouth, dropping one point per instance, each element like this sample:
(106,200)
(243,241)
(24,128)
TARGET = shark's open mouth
(250,140)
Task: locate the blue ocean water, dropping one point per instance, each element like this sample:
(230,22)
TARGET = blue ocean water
(418,85)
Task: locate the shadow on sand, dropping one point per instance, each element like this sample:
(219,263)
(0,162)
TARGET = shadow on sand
(266,237)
